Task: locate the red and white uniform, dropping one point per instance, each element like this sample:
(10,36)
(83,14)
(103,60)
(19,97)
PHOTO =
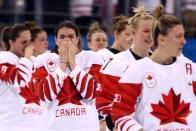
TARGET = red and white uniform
(69,95)
(156,97)
(109,76)
(15,73)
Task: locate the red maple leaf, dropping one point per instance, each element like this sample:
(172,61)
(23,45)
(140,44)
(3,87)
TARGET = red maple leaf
(69,94)
(51,63)
(171,110)
(149,77)
(28,93)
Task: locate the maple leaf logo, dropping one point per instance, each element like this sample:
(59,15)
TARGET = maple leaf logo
(149,77)
(51,63)
(172,110)
(69,94)
(29,94)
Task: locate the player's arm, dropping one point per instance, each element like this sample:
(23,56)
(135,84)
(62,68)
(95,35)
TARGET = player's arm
(128,91)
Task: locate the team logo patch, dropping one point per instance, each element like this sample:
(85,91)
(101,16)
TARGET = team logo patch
(3,69)
(150,80)
(51,64)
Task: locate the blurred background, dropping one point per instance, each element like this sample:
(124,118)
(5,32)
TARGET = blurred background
(48,13)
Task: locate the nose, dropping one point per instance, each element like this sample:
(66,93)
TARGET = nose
(150,35)
(183,41)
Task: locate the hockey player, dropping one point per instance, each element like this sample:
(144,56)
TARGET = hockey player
(113,69)
(33,109)
(121,34)
(38,38)
(15,70)
(157,93)
(65,82)
(97,38)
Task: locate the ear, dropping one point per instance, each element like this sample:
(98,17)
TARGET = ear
(115,34)
(161,39)
(11,42)
(89,45)
(133,33)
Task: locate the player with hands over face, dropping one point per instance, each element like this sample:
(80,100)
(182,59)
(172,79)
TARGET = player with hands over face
(65,81)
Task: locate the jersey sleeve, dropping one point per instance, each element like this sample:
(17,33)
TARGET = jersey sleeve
(48,85)
(85,83)
(84,76)
(108,81)
(127,94)
(16,75)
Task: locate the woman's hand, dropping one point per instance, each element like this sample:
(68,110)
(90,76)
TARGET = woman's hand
(72,51)
(63,54)
(29,51)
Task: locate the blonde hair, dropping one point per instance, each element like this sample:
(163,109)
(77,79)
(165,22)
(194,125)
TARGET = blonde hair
(140,14)
(94,28)
(162,23)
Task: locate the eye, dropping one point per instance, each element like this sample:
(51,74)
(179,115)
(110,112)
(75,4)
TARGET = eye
(42,39)
(146,31)
(97,40)
(70,36)
(127,34)
(104,40)
(62,37)
(179,36)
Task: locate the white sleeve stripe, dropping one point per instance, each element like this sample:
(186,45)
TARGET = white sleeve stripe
(92,91)
(27,71)
(125,123)
(45,98)
(28,63)
(21,66)
(57,82)
(84,93)
(26,77)
(52,94)
(82,75)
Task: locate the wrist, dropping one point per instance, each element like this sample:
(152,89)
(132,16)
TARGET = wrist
(28,57)
(72,66)
(63,66)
